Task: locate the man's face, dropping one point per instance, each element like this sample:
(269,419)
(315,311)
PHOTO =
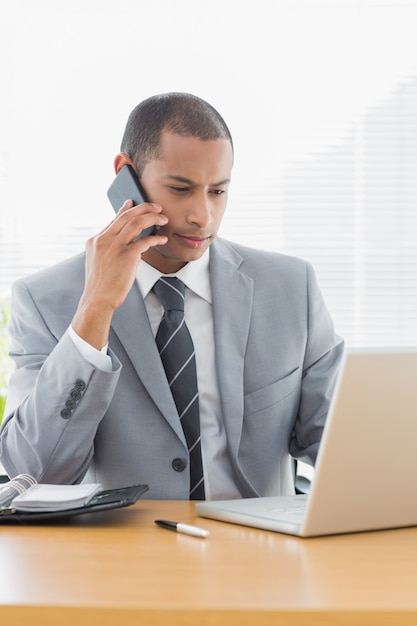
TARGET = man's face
(190,181)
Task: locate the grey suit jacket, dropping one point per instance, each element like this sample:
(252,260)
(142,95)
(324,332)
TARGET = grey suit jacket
(277,357)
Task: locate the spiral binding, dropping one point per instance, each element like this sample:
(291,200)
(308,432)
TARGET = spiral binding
(18,485)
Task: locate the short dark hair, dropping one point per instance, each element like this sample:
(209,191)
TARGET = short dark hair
(179,113)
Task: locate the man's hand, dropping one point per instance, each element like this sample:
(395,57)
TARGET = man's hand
(111,263)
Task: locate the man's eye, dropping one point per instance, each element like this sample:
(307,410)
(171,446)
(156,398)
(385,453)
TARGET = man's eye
(218,192)
(180,189)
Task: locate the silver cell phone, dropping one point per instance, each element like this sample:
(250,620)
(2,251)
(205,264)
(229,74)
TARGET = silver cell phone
(126,186)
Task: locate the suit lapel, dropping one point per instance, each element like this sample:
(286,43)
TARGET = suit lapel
(232,293)
(131,325)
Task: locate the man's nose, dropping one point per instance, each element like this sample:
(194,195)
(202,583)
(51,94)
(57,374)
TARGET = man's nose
(200,211)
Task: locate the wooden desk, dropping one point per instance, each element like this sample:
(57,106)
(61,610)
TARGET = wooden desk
(118,568)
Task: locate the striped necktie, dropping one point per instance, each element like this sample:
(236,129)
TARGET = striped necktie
(178,358)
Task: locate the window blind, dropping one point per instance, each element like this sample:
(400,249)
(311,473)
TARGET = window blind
(341,193)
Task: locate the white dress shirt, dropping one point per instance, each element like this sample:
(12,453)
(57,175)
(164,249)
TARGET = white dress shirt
(218,473)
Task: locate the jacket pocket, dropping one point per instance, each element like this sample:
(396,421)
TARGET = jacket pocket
(271,394)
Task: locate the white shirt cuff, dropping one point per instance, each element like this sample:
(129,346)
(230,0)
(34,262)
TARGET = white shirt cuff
(98,358)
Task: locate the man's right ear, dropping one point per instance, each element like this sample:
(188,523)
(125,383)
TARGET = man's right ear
(122,159)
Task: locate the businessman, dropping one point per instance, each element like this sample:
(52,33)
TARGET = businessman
(91,398)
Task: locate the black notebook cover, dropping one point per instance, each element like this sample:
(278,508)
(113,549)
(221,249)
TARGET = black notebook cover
(103,501)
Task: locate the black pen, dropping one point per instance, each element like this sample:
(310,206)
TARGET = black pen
(187,529)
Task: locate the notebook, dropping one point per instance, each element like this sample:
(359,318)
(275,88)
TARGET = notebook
(31,496)
(22,499)
(366,471)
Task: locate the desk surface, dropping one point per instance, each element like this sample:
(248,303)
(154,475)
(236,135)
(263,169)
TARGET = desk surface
(118,568)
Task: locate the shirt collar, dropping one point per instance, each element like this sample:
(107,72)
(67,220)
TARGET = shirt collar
(194,274)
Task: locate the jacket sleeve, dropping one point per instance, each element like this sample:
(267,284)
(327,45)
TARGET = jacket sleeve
(323,354)
(55,400)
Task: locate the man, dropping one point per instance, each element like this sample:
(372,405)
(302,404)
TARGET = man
(90,399)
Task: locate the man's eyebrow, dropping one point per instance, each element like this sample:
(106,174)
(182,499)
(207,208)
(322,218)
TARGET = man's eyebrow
(188,181)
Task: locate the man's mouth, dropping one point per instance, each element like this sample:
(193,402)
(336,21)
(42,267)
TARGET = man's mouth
(193,242)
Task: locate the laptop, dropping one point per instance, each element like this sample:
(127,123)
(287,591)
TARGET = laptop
(366,471)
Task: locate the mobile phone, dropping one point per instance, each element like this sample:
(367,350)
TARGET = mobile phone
(126,186)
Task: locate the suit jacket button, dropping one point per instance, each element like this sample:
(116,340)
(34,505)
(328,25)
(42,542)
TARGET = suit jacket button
(66,414)
(75,394)
(79,385)
(179,465)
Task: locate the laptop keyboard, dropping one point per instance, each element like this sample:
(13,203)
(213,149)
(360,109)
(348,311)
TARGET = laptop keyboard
(295,516)
(292,513)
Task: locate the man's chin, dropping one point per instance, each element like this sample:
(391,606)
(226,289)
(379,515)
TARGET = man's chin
(169,261)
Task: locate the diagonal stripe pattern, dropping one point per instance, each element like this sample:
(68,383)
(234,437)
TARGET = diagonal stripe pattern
(178,358)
